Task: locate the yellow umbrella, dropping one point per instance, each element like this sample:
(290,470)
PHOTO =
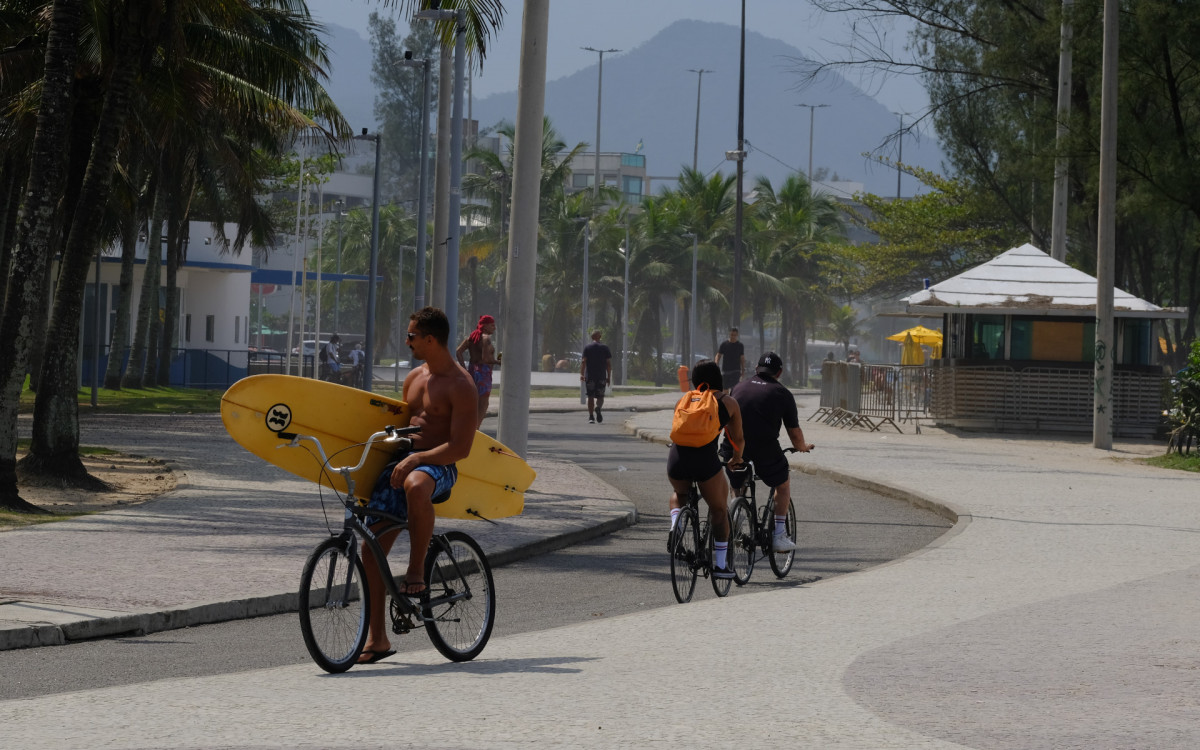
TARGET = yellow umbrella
(911,352)
(920,334)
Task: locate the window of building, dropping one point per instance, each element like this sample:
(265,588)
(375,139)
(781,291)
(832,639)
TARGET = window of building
(210,328)
(237,329)
(582,179)
(187,327)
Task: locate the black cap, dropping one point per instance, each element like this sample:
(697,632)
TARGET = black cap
(769,364)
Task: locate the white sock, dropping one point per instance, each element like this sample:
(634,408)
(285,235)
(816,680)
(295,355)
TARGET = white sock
(675,516)
(719,553)
(780,525)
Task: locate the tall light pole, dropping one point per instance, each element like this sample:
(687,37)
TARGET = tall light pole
(1106,356)
(696,141)
(583,310)
(453,243)
(340,205)
(513,429)
(900,153)
(736,306)
(692,307)
(423,197)
(811,109)
(373,273)
(625,312)
(599,88)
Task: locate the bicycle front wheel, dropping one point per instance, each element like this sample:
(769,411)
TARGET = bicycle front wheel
(741,541)
(781,562)
(461,609)
(684,552)
(334,602)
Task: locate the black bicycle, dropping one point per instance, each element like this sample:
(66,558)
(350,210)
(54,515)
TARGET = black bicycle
(457,608)
(752,529)
(691,548)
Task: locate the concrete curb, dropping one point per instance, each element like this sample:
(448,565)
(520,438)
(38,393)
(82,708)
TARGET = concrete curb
(207,613)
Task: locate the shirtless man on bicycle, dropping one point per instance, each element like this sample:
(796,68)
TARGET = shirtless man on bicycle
(767,405)
(442,401)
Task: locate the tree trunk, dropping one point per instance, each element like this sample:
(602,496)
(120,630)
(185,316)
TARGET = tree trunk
(176,247)
(135,371)
(47,179)
(118,347)
(55,446)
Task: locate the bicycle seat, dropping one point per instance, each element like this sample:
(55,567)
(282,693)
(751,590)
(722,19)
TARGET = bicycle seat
(441,498)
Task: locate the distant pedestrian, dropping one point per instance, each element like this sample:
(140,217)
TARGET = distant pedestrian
(731,356)
(595,371)
(481,354)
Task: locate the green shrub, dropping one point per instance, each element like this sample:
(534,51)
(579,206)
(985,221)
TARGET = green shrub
(1184,414)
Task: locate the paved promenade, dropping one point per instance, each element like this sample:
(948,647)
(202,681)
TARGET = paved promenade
(1059,612)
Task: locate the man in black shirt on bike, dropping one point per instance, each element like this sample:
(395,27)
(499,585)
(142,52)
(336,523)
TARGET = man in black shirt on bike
(767,405)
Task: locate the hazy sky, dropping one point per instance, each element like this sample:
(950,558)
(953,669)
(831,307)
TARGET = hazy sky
(624,24)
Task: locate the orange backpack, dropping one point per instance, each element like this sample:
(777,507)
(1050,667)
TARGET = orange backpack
(696,422)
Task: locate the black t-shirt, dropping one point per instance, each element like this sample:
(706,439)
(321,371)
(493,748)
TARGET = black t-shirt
(596,357)
(766,406)
(731,355)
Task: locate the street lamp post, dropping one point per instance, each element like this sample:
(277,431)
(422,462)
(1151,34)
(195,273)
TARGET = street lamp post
(625,315)
(453,243)
(696,141)
(599,88)
(373,273)
(340,205)
(692,307)
(811,109)
(423,197)
(900,152)
(583,311)
(741,158)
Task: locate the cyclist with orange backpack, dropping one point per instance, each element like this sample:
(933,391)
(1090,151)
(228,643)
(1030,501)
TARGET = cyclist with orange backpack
(699,418)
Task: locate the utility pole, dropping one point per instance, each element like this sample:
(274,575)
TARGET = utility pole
(513,430)
(1058,220)
(1106,356)
(599,88)
(811,109)
(696,142)
(736,302)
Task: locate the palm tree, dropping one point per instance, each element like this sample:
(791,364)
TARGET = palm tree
(843,326)
(238,71)
(795,229)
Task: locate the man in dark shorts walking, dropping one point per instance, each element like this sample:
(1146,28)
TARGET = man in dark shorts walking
(767,405)
(596,372)
(731,356)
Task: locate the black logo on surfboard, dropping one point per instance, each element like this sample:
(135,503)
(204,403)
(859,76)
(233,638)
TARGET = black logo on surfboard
(279,417)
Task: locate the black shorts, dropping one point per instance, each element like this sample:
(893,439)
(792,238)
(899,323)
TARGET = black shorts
(693,464)
(772,471)
(595,388)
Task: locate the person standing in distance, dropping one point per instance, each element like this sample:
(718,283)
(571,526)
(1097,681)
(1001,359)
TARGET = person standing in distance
(481,358)
(596,372)
(731,356)
(766,405)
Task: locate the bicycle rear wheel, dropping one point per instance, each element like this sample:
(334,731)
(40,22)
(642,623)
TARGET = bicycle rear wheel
(684,555)
(460,610)
(741,541)
(334,602)
(781,562)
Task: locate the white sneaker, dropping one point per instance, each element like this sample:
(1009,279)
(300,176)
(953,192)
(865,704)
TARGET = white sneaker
(781,543)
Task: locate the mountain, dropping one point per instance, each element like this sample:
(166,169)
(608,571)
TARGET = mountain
(649,97)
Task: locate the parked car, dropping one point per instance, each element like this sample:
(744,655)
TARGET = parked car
(310,347)
(264,354)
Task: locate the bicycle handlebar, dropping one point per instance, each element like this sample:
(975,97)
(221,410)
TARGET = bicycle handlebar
(388,434)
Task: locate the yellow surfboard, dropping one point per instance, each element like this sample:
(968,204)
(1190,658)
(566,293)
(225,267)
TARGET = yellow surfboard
(491,481)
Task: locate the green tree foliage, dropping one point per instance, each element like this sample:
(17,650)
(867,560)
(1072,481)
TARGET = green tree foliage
(1184,414)
(400,90)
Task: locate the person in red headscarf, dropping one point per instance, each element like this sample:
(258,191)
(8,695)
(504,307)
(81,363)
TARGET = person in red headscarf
(481,358)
